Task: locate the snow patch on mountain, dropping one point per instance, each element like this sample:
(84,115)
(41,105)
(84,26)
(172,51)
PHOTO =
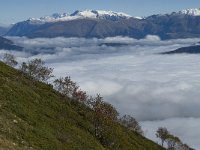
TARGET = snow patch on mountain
(101,14)
(85,14)
(186,12)
(56,17)
(191,12)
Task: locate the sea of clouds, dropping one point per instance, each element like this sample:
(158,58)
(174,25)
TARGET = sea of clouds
(158,90)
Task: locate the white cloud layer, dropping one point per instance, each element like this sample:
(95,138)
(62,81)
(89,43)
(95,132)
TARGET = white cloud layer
(133,76)
(186,128)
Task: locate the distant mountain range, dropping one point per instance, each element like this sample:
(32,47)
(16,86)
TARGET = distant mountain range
(101,24)
(92,14)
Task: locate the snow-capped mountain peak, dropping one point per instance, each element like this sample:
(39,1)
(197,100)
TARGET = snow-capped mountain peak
(85,14)
(53,18)
(93,14)
(57,15)
(191,12)
(101,14)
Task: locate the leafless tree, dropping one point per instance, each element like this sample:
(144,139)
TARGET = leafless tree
(131,123)
(66,86)
(162,133)
(103,111)
(36,68)
(10,60)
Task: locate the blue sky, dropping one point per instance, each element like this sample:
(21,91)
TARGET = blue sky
(17,10)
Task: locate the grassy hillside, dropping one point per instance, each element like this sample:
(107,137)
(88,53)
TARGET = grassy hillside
(34,116)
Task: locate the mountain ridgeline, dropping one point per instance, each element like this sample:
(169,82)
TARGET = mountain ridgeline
(35,116)
(101,24)
(8,45)
(195,49)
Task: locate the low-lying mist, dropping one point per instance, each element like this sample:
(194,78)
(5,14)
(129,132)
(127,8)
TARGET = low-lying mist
(158,90)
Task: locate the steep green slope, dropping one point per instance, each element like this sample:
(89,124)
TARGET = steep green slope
(34,116)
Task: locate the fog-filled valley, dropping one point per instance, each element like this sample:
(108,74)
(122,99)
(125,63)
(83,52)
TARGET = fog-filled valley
(133,75)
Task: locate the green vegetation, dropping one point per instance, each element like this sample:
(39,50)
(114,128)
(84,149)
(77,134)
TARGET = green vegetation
(35,116)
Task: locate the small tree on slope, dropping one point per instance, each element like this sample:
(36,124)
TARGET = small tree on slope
(36,68)
(10,60)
